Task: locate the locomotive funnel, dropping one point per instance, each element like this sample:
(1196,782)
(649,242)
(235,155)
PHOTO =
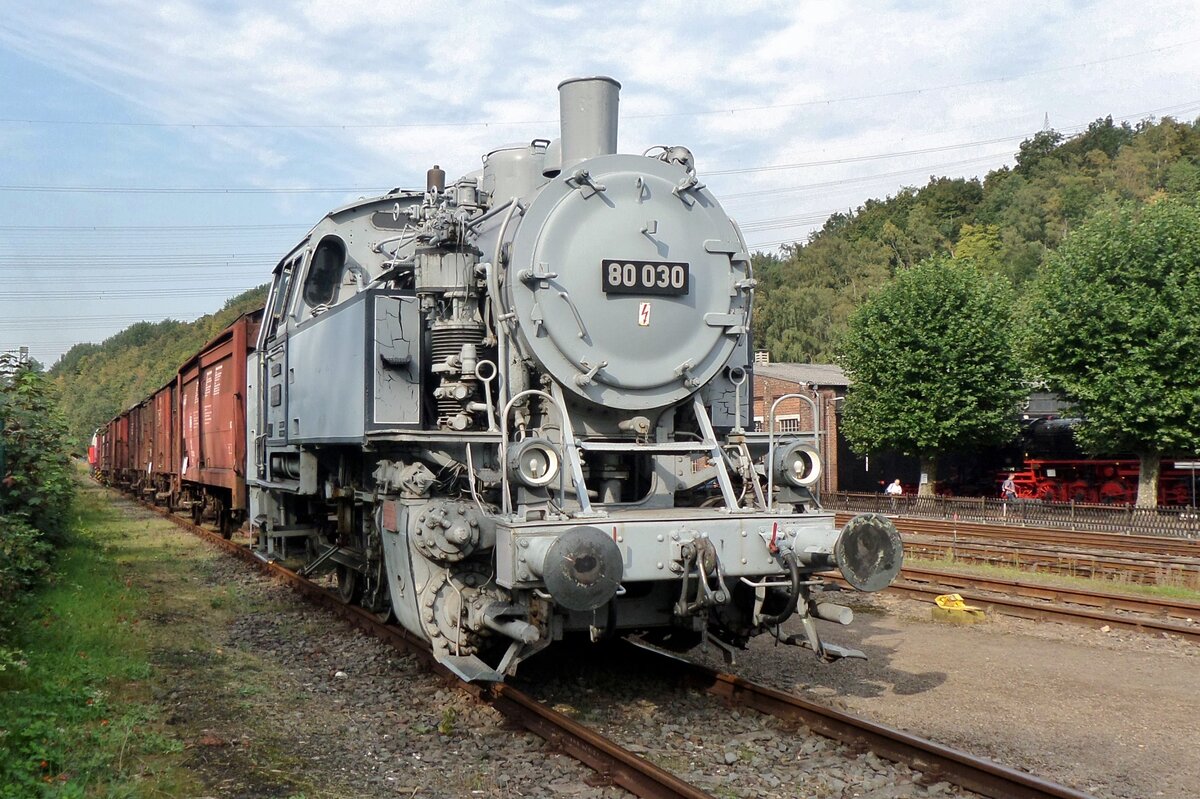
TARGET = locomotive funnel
(869,552)
(582,569)
(588,116)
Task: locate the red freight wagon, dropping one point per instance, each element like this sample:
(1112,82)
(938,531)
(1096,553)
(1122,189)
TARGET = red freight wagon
(98,453)
(122,468)
(212,422)
(164,471)
(141,438)
(104,452)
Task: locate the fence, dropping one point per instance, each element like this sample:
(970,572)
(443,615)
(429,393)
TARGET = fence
(1178,522)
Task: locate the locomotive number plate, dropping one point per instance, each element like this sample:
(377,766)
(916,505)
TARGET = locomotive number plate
(644,277)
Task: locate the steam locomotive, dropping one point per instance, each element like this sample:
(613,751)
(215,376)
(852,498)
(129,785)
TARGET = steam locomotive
(513,408)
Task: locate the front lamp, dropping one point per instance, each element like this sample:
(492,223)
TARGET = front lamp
(533,462)
(797,465)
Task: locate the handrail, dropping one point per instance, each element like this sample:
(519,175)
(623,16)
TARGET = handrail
(566,446)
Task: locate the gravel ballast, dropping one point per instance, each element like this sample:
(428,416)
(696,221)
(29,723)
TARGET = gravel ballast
(276,698)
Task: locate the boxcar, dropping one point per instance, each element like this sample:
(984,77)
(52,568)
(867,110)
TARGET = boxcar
(122,468)
(211,392)
(163,468)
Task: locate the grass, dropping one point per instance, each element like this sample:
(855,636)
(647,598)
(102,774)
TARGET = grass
(76,716)
(1168,591)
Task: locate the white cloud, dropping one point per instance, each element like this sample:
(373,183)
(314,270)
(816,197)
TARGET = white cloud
(248,74)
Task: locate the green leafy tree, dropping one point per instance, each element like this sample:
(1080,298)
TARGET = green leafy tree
(1054,187)
(981,244)
(1114,324)
(96,381)
(931,360)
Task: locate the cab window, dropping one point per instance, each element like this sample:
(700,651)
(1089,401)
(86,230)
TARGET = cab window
(325,271)
(279,300)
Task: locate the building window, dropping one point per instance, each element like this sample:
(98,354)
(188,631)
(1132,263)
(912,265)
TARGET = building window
(789,423)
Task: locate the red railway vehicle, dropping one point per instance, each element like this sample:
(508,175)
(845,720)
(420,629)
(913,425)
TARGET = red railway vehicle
(1112,481)
(141,437)
(162,481)
(122,466)
(211,408)
(104,441)
(93,452)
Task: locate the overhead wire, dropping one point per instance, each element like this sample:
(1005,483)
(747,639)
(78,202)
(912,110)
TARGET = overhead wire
(819,101)
(376,191)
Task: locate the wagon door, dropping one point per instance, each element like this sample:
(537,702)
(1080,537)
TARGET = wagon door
(189,425)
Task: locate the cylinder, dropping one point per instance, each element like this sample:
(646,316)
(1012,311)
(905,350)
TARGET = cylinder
(588,116)
(435,179)
(838,614)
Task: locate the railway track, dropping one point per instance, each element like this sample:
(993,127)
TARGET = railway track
(617,765)
(1111,542)
(1143,569)
(1055,603)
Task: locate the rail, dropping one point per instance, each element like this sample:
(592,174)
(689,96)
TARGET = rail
(1175,522)
(619,766)
(616,764)
(977,774)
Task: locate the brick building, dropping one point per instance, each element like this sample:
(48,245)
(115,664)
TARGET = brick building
(826,384)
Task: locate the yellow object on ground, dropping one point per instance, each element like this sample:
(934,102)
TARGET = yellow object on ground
(952,608)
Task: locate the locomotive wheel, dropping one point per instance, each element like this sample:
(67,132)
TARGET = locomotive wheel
(349,585)
(197,512)
(226,524)
(375,595)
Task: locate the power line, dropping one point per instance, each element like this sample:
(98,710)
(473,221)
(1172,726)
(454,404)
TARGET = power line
(146,228)
(731,198)
(374,192)
(1188,106)
(663,115)
(102,295)
(925,150)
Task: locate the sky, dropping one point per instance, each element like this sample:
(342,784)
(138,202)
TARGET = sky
(157,158)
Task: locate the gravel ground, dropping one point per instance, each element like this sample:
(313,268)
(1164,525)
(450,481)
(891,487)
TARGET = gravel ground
(726,751)
(1112,714)
(277,699)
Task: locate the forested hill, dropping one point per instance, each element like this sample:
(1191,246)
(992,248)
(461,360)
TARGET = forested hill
(1008,222)
(97,381)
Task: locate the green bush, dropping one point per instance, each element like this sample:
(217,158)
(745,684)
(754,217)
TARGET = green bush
(24,558)
(36,485)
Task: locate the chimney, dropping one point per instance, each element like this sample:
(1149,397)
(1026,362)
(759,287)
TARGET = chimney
(588,116)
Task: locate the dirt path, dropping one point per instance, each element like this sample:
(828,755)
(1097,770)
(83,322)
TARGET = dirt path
(1114,714)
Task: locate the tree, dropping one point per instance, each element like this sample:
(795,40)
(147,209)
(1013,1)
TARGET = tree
(1114,324)
(981,244)
(931,361)
(96,381)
